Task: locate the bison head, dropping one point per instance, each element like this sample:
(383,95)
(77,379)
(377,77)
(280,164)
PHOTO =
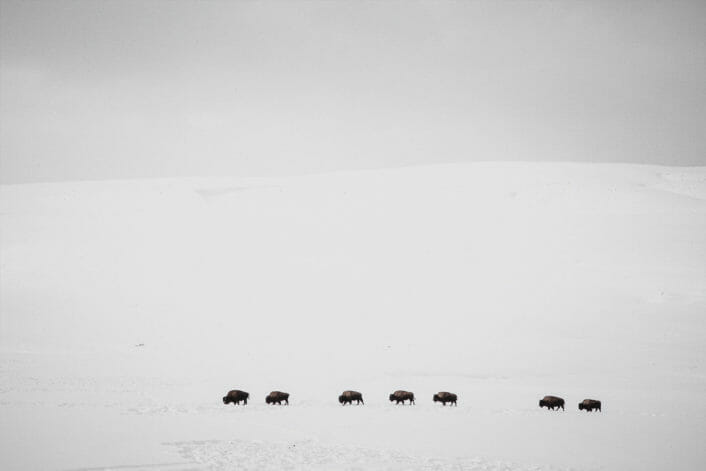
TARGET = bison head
(340,398)
(268,399)
(436,398)
(392,397)
(225,399)
(541,403)
(580,405)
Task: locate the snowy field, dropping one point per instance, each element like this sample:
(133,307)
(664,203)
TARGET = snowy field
(129,308)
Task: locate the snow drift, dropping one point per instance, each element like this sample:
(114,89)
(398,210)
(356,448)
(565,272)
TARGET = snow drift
(129,308)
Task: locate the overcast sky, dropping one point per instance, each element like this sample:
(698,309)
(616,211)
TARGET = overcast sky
(93,90)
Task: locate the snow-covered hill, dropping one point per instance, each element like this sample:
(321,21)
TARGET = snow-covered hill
(129,308)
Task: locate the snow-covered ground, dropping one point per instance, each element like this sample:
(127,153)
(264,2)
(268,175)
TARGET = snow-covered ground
(129,308)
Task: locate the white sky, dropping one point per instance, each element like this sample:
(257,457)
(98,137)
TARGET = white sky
(92,90)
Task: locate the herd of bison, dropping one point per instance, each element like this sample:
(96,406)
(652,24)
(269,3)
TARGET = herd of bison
(278,397)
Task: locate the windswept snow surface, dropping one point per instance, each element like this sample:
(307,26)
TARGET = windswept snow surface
(129,308)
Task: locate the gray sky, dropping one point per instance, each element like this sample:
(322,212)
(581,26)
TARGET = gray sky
(92,90)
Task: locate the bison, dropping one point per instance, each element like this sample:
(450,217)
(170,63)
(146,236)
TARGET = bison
(349,396)
(552,402)
(235,396)
(589,405)
(401,396)
(445,397)
(276,397)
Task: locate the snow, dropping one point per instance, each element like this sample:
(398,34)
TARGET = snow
(129,308)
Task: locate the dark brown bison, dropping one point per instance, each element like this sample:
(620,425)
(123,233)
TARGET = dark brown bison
(276,397)
(589,405)
(235,396)
(445,397)
(349,396)
(401,396)
(552,402)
